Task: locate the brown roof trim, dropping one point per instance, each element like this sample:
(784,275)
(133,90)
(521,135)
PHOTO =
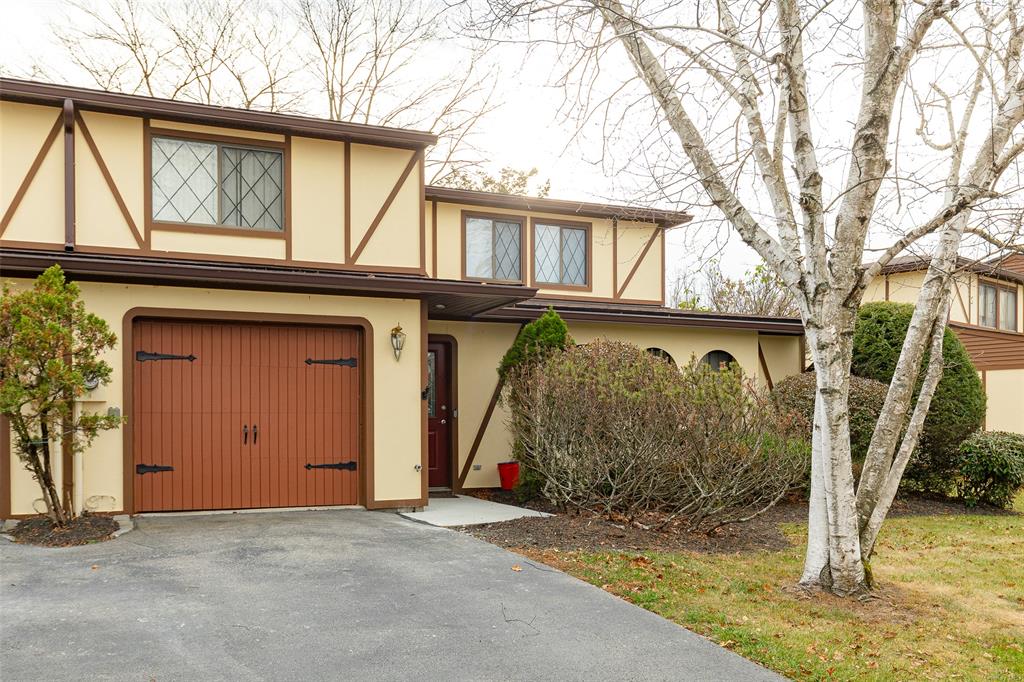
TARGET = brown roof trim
(559,206)
(193,273)
(645,314)
(915,263)
(33,92)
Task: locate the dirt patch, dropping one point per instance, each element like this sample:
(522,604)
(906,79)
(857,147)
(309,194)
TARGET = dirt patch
(594,533)
(82,531)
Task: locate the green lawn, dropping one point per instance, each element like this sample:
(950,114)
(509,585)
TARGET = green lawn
(950,603)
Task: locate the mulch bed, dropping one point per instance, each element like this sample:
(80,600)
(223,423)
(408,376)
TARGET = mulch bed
(594,533)
(82,531)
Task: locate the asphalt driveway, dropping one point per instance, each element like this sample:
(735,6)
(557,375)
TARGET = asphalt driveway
(324,595)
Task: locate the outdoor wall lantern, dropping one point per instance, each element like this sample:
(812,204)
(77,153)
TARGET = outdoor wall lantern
(397,341)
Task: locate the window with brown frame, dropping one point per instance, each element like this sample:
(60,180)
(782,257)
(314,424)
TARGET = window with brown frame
(560,254)
(199,182)
(493,247)
(997,306)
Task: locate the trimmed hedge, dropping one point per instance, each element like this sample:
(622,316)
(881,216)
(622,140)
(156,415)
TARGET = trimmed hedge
(796,394)
(992,468)
(958,407)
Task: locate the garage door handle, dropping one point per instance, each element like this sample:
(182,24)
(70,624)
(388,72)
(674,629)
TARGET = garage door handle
(245,434)
(255,433)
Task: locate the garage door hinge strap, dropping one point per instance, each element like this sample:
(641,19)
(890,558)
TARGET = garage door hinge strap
(151,468)
(351,466)
(348,362)
(142,356)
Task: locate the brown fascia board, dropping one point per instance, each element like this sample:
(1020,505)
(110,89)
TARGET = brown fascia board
(916,263)
(47,94)
(191,273)
(654,314)
(583,209)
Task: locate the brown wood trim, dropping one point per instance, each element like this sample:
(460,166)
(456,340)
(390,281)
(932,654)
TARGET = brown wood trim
(135,105)
(30,175)
(348,202)
(984,389)
(151,225)
(433,239)
(423,216)
(960,298)
(636,265)
(387,204)
(111,185)
(424,449)
(288,197)
(615,258)
(453,387)
(69,174)
(803,352)
(887,287)
(480,432)
(5,468)
(764,367)
(598,299)
(589,228)
(366,380)
(505,218)
(484,423)
(195,228)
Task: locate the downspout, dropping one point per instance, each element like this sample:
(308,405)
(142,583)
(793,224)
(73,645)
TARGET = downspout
(69,175)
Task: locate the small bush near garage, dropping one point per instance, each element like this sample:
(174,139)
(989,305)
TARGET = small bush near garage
(957,409)
(796,394)
(609,428)
(992,468)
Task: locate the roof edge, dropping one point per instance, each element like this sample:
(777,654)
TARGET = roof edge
(662,218)
(52,94)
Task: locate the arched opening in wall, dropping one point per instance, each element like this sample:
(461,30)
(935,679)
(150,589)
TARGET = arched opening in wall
(661,354)
(718,360)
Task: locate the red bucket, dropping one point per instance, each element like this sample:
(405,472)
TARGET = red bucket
(509,472)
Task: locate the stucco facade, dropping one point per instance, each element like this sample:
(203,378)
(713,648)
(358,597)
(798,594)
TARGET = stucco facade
(348,237)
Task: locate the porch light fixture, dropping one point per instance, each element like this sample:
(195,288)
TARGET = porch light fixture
(397,341)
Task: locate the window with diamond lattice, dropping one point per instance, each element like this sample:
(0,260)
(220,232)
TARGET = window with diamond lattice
(560,255)
(493,248)
(209,183)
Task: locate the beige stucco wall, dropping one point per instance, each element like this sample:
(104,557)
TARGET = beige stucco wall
(481,346)
(318,200)
(646,284)
(396,241)
(397,406)
(1005,391)
(98,219)
(40,215)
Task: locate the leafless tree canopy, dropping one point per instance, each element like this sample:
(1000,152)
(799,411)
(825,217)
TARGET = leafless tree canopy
(827,135)
(382,62)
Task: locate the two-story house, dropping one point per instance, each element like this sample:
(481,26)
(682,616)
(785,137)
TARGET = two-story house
(301,321)
(987,315)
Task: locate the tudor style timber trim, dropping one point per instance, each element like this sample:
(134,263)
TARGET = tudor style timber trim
(86,99)
(639,261)
(413,162)
(69,174)
(764,367)
(30,175)
(111,185)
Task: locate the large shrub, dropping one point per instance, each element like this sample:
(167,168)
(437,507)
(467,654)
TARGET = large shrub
(958,407)
(992,468)
(796,394)
(535,341)
(610,428)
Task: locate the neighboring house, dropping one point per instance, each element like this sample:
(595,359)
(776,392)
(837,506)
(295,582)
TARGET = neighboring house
(987,314)
(256,267)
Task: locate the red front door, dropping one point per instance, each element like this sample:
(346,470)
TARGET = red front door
(439,415)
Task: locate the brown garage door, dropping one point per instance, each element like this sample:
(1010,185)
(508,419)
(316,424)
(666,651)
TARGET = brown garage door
(236,416)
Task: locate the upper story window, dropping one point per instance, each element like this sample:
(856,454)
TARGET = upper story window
(561,254)
(997,306)
(494,247)
(217,183)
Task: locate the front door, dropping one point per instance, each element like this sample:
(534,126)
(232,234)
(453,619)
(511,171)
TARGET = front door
(439,415)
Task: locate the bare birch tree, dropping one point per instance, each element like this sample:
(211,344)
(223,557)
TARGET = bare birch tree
(737,100)
(380,62)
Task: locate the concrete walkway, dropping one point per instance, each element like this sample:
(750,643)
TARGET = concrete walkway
(463,510)
(340,595)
